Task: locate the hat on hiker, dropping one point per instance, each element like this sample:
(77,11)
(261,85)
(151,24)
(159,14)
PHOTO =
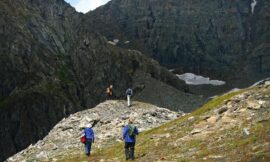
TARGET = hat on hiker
(88,125)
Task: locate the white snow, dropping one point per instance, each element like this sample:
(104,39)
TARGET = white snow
(127,42)
(114,42)
(253,4)
(193,79)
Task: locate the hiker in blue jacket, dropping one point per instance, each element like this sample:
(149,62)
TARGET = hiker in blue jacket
(129,135)
(129,93)
(90,138)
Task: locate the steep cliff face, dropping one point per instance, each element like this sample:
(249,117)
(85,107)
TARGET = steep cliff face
(52,65)
(221,39)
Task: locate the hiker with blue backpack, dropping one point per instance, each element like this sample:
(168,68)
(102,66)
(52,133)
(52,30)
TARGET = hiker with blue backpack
(130,132)
(129,93)
(88,138)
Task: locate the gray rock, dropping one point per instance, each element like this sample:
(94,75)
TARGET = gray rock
(246,131)
(222,110)
(195,131)
(111,122)
(267,83)
(192,118)
(253,104)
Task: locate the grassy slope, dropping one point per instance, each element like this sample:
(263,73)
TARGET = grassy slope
(161,148)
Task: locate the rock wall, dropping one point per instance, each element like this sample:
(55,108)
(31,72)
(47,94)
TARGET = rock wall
(227,40)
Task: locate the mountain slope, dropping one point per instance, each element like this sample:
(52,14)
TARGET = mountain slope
(227,40)
(52,65)
(232,127)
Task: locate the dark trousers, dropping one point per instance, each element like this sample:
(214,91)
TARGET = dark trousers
(88,145)
(129,150)
(110,97)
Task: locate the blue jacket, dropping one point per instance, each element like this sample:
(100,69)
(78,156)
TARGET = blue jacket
(126,137)
(129,92)
(89,134)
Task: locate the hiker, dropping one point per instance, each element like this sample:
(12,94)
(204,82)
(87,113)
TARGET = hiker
(109,92)
(129,93)
(129,135)
(89,136)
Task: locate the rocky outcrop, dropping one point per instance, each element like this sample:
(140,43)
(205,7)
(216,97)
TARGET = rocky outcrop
(53,65)
(109,118)
(227,40)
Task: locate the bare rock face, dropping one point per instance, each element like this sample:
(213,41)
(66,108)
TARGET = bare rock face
(109,118)
(227,40)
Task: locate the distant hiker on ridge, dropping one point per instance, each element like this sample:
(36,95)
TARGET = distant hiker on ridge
(129,135)
(109,92)
(88,138)
(129,93)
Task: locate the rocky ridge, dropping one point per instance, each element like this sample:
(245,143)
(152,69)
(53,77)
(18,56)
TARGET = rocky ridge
(109,118)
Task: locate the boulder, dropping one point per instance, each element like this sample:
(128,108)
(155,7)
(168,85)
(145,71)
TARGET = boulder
(253,104)
(222,110)
(267,83)
(213,119)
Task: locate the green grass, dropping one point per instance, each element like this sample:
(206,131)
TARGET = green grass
(239,142)
(214,103)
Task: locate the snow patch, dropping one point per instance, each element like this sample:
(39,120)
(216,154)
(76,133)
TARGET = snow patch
(253,4)
(193,79)
(114,42)
(127,42)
